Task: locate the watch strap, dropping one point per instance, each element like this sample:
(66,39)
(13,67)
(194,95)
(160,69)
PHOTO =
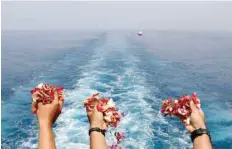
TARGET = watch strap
(98,130)
(199,132)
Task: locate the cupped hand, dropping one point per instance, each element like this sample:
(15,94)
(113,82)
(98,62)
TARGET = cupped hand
(197,119)
(96,118)
(48,113)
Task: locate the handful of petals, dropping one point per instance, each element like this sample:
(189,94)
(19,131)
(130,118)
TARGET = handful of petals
(105,105)
(180,107)
(45,93)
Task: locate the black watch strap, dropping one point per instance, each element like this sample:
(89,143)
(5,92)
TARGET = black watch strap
(199,132)
(98,130)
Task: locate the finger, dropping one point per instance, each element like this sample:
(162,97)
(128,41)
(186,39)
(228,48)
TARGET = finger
(193,106)
(95,106)
(105,125)
(34,107)
(39,106)
(61,103)
(55,101)
(89,110)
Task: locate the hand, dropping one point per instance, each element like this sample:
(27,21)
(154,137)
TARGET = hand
(96,118)
(48,113)
(97,140)
(197,119)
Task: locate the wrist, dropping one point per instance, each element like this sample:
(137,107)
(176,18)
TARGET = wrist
(45,124)
(95,124)
(200,133)
(98,126)
(203,126)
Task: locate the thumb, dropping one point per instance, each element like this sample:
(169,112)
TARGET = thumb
(193,106)
(189,128)
(95,106)
(34,107)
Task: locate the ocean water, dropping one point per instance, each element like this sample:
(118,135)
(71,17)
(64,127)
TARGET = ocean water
(137,72)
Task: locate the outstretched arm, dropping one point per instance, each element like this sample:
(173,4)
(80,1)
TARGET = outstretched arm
(197,120)
(46,137)
(97,139)
(47,115)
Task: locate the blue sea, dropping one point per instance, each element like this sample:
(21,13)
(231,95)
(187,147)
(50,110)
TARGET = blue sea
(137,72)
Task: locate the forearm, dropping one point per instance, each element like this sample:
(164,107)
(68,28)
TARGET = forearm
(46,137)
(97,141)
(202,142)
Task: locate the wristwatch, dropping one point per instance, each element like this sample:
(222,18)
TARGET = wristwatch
(98,130)
(199,132)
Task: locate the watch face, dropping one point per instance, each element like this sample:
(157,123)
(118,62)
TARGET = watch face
(199,131)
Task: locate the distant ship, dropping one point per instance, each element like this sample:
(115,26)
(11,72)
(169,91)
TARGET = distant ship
(140,33)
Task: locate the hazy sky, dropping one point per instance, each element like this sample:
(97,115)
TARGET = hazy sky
(109,15)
